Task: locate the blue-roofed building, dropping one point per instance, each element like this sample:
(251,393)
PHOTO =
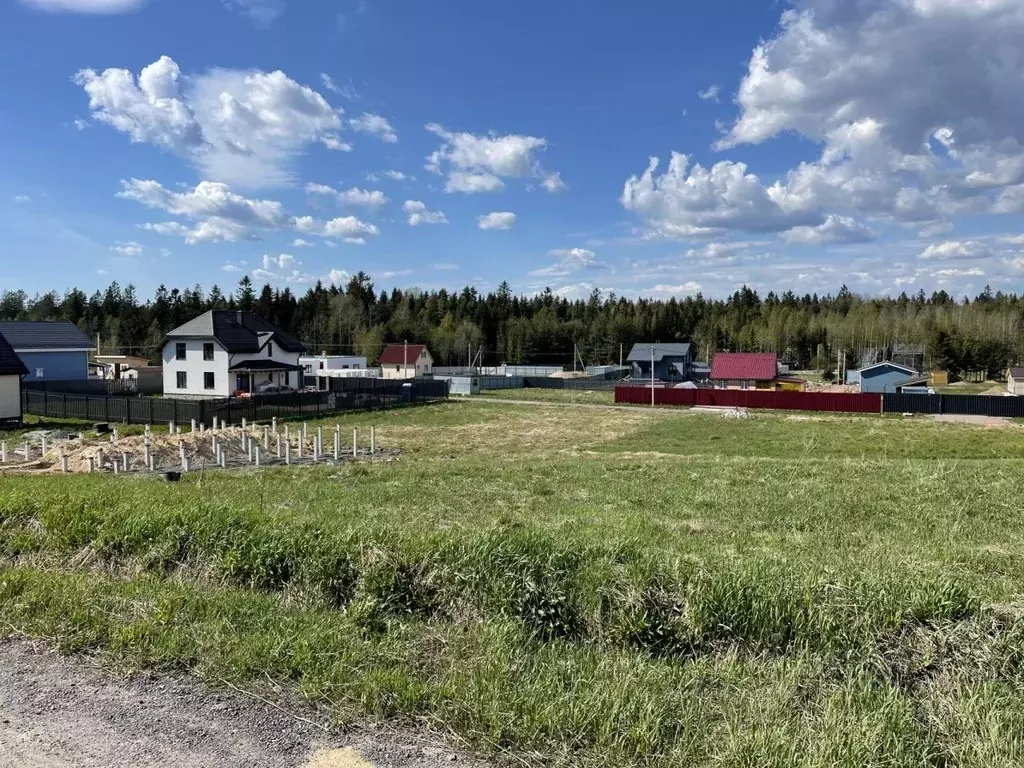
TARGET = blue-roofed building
(671,361)
(52,351)
(880,377)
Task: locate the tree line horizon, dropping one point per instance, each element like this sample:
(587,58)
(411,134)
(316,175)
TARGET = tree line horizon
(984,334)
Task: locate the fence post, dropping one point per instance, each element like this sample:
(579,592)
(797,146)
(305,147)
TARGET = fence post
(942,404)
(46,403)
(65,398)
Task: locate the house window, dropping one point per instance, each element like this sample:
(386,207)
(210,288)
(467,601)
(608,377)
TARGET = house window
(308,368)
(286,377)
(39,373)
(270,350)
(398,367)
(744,384)
(208,380)
(344,367)
(179,351)
(208,351)
(182,377)
(321,365)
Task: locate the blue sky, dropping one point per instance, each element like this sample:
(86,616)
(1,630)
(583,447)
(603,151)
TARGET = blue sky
(799,145)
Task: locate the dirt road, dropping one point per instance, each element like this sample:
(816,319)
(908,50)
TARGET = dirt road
(58,712)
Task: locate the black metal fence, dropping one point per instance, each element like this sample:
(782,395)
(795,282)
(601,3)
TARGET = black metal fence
(958,405)
(546,382)
(118,387)
(354,395)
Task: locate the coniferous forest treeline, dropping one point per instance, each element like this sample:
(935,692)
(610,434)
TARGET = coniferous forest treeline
(980,334)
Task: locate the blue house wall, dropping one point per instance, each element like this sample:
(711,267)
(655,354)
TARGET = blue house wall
(56,366)
(882,378)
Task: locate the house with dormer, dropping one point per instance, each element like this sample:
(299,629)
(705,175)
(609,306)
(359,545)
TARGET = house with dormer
(222,353)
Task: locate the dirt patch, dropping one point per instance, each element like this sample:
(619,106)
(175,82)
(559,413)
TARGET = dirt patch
(993,422)
(59,712)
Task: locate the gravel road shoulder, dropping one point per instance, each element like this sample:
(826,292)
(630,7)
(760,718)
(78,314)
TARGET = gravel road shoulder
(58,712)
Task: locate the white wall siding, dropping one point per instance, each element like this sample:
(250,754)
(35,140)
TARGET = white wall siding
(10,397)
(194,367)
(331,363)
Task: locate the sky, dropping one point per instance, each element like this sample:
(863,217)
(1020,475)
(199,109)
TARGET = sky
(651,149)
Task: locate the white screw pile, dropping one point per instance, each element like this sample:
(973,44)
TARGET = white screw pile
(373,441)
(277,436)
(3,453)
(355,443)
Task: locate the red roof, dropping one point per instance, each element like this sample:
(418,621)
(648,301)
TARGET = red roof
(744,366)
(399,354)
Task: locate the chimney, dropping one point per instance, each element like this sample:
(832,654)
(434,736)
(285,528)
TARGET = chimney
(238,316)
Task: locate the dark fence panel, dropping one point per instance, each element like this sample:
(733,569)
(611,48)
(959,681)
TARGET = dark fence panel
(546,382)
(363,394)
(958,405)
(907,403)
(737,398)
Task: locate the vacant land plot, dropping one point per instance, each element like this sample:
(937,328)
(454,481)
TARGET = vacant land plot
(602,397)
(596,586)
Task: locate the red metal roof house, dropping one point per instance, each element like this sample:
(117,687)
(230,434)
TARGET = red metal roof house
(745,370)
(405,361)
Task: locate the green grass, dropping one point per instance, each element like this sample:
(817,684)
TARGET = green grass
(592,587)
(598,397)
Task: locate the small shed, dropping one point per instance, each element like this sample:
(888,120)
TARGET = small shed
(1015,381)
(881,377)
(12,369)
(914,386)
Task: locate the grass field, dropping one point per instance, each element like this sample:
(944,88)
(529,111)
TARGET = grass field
(553,395)
(565,586)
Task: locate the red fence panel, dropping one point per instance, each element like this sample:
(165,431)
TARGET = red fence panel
(753,398)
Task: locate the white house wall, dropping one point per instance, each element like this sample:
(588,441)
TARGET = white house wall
(194,366)
(10,397)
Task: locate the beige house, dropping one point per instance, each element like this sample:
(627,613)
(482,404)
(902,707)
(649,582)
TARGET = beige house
(406,361)
(1015,381)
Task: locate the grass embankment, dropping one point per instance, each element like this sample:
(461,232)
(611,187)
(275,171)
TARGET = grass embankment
(596,587)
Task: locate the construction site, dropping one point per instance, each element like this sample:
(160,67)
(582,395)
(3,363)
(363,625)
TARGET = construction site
(184,449)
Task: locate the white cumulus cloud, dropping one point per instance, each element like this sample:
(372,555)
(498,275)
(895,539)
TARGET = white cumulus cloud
(955,249)
(478,163)
(243,127)
(570,260)
(417,213)
(497,220)
(710,93)
(375,124)
(354,196)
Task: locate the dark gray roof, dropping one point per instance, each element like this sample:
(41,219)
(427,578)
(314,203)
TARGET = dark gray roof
(10,363)
(641,353)
(59,334)
(236,331)
(1017,373)
(264,365)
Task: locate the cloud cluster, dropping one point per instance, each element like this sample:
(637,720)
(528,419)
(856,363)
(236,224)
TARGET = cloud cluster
(911,131)
(416,213)
(217,214)
(497,220)
(241,127)
(375,124)
(476,164)
(569,261)
(350,197)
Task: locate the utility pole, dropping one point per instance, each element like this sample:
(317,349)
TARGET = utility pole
(574,358)
(405,359)
(652,376)
(97,345)
(620,355)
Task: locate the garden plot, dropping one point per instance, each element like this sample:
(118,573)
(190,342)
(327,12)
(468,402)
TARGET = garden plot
(232,447)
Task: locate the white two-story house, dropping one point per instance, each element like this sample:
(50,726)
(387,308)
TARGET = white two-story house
(223,352)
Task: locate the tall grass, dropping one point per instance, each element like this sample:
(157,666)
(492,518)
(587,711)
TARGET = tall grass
(572,599)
